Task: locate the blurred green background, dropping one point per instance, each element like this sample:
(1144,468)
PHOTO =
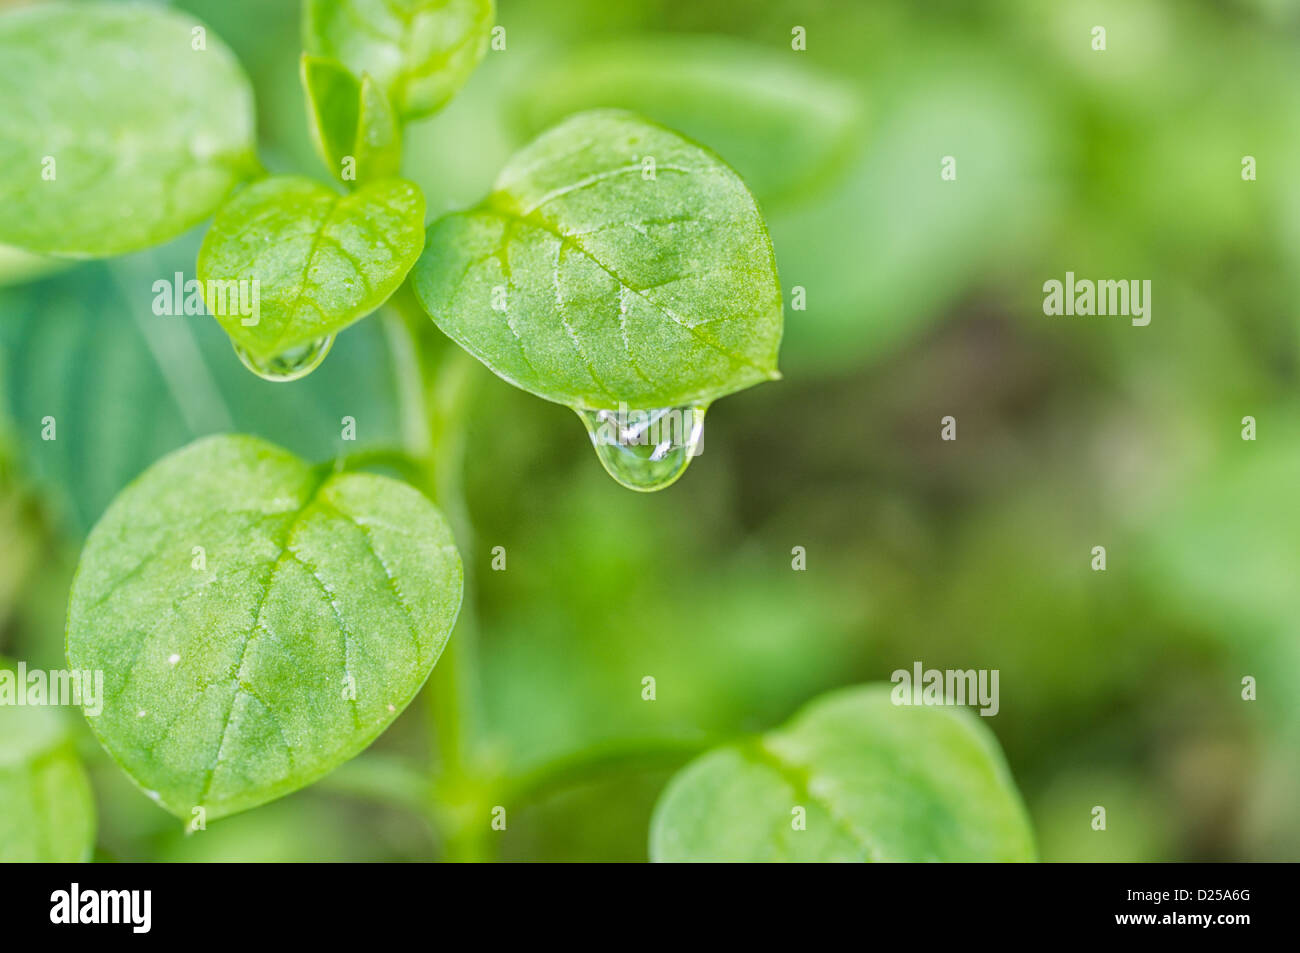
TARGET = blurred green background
(924,299)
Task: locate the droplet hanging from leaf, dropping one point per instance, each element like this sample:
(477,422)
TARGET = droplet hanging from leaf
(646,450)
(615,264)
(288,365)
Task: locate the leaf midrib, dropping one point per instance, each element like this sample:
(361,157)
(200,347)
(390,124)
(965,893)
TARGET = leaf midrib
(799,778)
(318,481)
(336,202)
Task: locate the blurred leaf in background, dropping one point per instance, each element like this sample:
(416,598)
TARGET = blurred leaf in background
(49,813)
(126,385)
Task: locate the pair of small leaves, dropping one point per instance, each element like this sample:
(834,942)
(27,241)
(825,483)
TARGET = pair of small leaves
(320,604)
(352,122)
(615,262)
(420,52)
(320,260)
(875,781)
(123,126)
(48,813)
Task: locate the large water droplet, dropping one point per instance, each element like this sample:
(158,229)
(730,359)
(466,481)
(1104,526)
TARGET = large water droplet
(292,364)
(646,450)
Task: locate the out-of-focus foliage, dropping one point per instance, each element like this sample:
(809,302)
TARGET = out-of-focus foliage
(1120,689)
(49,813)
(125,162)
(870,780)
(421,51)
(783,126)
(125,385)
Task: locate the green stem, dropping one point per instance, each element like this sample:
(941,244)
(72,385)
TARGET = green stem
(402,338)
(452,690)
(435,380)
(455,702)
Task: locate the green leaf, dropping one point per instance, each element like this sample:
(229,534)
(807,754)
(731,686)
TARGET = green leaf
(321,260)
(878,782)
(784,126)
(116,133)
(48,810)
(352,122)
(227,681)
(420,51)
(614,262)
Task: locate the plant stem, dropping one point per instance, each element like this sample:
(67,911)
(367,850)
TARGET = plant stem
(402,338)
(452,689)
(435,381)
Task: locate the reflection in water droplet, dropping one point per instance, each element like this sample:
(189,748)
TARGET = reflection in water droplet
(646,450)
(292,364)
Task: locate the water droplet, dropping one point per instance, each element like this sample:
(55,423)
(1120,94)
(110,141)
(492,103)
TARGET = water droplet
(646,450)
(292,364)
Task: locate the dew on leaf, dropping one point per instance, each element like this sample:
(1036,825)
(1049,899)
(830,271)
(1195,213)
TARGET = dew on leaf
(291,364)
(646,450)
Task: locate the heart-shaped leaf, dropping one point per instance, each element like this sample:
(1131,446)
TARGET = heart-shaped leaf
(420,51)
(314,260)
(875,781)
(258,621)
(352,122)
(615,262)
(123,125)
(48,811)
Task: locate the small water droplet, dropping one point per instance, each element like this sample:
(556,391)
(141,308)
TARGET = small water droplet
(292,364)
(646,450)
